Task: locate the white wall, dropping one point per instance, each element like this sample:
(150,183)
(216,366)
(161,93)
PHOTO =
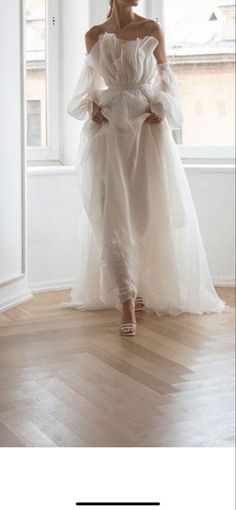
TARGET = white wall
(54,207)
(98,11)
(13,256)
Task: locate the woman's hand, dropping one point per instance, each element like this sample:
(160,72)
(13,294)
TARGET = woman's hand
(155,119)
(97,115)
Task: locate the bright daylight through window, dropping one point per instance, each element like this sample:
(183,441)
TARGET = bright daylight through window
(36,88)
(200,39)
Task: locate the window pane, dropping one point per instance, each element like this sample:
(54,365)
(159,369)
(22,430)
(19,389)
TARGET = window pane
(33,123)
(36,72)
(200,40)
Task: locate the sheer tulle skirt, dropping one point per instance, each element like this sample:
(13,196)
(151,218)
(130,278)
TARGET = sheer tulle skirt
(138,232)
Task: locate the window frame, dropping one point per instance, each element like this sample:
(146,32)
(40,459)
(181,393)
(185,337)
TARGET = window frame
(226,152)
(52,150)
(154,9)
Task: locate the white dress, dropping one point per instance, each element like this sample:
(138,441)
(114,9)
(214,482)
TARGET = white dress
(138,232)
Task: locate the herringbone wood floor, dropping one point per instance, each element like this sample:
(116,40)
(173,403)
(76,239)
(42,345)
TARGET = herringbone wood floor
(68,379)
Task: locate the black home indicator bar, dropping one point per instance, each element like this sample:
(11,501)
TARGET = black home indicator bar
(123,503)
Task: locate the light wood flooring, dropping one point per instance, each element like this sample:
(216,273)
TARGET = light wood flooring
(68,379)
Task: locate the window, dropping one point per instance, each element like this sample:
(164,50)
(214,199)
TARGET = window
(200,42)
(34,127)
(42,80)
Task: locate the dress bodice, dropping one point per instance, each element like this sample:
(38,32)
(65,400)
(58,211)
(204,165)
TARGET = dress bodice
(124,62)
(115,66)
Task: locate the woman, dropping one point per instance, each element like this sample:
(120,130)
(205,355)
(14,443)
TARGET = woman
(139,235)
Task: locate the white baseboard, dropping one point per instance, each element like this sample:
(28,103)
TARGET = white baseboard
(53,285)
(66,285)
(15,301)
(224,282)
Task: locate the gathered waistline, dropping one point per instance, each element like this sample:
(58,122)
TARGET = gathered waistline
(129,86)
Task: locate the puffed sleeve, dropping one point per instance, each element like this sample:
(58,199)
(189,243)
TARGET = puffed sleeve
(85,92)
(166,95)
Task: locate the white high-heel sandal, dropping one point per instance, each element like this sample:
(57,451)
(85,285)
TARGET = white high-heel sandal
(139,304)
(128,328)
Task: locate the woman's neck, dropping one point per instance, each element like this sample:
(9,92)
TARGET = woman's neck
(121,16)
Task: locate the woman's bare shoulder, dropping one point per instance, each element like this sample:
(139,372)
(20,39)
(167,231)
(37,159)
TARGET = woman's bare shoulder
(153,27)
(148,26)
(142,27)
(92,35)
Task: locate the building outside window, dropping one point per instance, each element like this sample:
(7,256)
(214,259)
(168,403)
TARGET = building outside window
(42,78)
(36,73)
(34,123)
(200,39)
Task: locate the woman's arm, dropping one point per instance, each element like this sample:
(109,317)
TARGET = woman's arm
(168,100)
(160,50)
(91,38)
(155,29)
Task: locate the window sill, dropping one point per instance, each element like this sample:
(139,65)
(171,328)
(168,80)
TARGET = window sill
(46,162)
(209,167)
(189,166)
(50,170)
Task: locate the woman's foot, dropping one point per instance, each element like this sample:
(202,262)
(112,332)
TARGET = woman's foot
(139,304)
(128,319)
